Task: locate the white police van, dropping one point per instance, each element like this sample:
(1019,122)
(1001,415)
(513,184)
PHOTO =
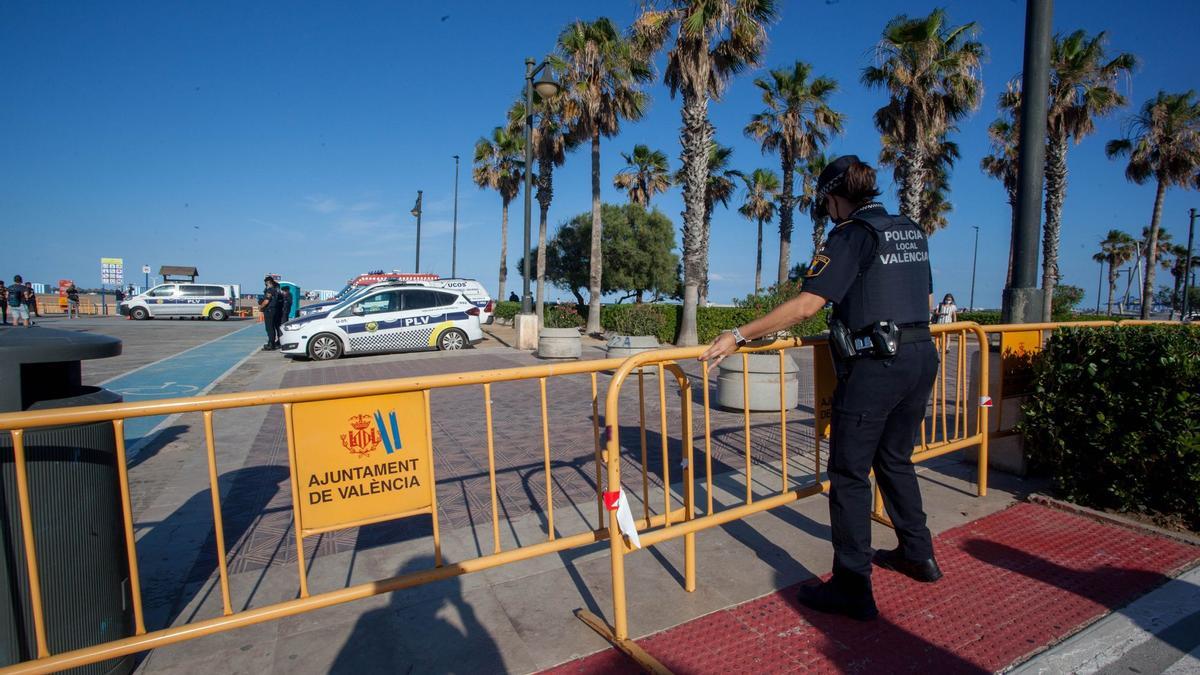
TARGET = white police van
(390,318)
(211,301)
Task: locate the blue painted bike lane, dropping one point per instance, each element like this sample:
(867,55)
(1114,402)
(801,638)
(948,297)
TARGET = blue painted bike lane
(189,373)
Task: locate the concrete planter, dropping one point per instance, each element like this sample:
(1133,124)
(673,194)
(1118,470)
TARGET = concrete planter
(764,382)
(624,346)
(559,343)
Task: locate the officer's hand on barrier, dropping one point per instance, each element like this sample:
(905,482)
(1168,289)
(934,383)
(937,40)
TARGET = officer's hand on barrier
(721,347)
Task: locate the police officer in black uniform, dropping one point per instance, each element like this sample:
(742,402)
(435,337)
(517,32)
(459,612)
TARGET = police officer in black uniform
(284,312)
(874,268)
(269,306)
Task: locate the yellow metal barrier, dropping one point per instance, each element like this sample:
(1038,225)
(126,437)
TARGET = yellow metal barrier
(290,399)
(939,437)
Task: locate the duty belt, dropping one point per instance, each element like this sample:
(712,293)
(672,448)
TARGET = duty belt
(914,332)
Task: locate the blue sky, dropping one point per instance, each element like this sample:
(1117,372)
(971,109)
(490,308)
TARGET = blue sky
(292,137)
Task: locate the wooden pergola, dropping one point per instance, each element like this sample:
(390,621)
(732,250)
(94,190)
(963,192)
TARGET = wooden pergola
(176,273)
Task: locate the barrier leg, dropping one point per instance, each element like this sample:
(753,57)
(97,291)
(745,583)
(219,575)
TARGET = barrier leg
(877,512)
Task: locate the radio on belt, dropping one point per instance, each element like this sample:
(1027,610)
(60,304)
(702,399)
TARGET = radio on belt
(880,340)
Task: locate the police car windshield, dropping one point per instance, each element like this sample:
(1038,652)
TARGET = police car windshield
(361,291)
(347,290)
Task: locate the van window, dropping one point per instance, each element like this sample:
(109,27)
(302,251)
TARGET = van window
(162,292)
(189,291)
(215,291)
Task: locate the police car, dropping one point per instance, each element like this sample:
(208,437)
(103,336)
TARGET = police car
(469,288)
(211,301)
(390,318)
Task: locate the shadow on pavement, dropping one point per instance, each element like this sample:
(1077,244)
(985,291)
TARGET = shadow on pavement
(178,556)
(442,635)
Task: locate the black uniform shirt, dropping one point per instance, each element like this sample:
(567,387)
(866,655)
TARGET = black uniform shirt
(847,250)
(272,298)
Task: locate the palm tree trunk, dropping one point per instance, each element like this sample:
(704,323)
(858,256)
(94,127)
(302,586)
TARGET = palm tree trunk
(544,195)
(593,321)
(1056,192)
(912,185)
(1152,250)
(503,250)
(786,199)
(758,261)
(695,137)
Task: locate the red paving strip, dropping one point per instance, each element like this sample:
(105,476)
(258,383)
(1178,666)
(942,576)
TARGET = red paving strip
(1016,581)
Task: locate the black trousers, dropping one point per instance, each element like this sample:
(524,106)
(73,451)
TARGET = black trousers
(271,323)
(878,407)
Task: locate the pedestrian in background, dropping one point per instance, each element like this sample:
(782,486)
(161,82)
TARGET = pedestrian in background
(31,301)
(72,302)
(269,306)
(284,313)
(17,301)
(947,311)
(3,304)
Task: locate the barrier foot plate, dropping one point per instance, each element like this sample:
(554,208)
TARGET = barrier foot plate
(628,647)
(882,519)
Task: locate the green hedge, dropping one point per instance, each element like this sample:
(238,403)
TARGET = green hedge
(507,310)
(662,321)
(1115,419)
(983,317)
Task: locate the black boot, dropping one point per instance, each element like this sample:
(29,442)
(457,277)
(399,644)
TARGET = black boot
(925,571)
(846,593)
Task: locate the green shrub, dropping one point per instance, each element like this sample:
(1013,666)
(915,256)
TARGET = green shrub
(563,315)
(1066,297)
(711,321)
(1086,317)
(640,319)
(507,310)
(1115,419)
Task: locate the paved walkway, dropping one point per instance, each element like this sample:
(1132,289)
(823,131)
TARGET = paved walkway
(1015,582)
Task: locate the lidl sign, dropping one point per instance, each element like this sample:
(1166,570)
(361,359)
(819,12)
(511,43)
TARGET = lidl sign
(362,460)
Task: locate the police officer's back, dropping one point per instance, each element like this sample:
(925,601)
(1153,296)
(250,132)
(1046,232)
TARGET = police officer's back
(874,268)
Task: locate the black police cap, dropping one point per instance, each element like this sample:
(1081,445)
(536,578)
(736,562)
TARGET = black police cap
(833,175)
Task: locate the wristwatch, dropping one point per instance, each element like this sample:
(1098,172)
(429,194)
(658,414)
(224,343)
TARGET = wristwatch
(739,338)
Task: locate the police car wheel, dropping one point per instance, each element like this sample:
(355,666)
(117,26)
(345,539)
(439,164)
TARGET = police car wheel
(218,314)
(139,313)
(452,340)
(324,347)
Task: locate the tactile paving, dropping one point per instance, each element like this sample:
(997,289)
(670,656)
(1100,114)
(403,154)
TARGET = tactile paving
(1015,582)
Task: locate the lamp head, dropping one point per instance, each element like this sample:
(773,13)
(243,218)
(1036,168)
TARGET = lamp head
(546,87)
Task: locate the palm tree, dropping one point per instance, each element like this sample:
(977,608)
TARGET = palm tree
(550,145)
(809,171)
(1163,143)
(1002,163)
(934,206)
(714,40)
(762,188)
(500,166)
(602,75)
(1116,249)
(797,124)
(932,73)
(719,186)
(1082,88)
(645,174)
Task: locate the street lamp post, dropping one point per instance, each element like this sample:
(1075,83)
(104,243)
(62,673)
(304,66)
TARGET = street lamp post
(546,88)
(1022,299)
(454,235)
(974,259)
(1187,267)
(1100,286)
(416,211)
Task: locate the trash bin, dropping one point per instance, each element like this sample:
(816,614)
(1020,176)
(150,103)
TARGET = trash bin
(75,501)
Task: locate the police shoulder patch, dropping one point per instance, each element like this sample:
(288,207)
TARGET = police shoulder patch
(818,265)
